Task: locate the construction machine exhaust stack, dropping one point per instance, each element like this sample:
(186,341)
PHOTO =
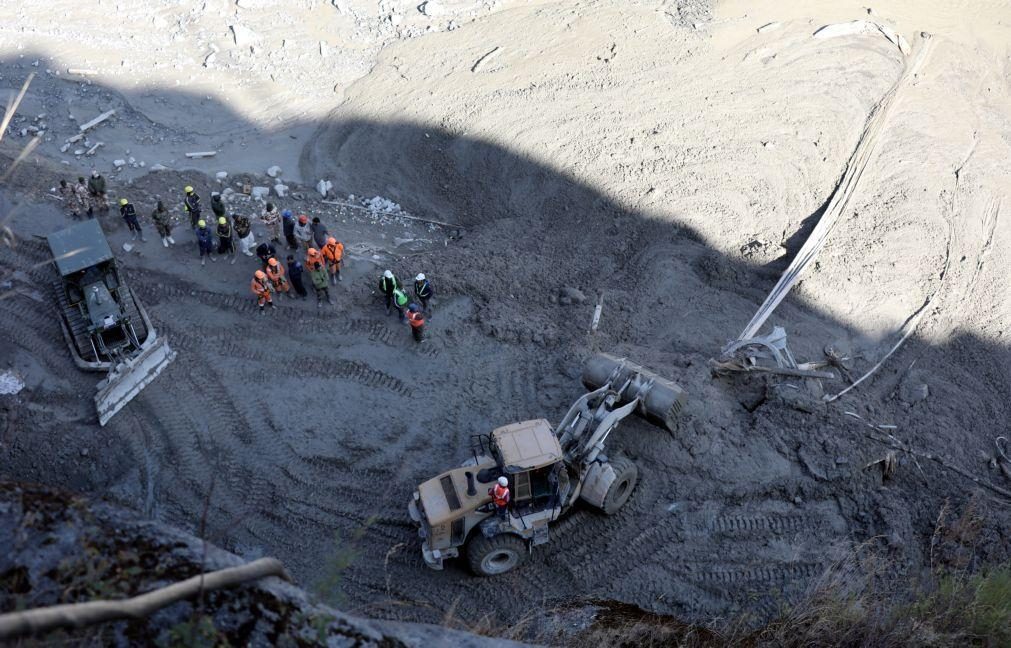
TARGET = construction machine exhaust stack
(106,327)
(549,470)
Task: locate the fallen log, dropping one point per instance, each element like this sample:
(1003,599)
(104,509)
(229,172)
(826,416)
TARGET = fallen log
(79,615)
(98,120)
(201,154)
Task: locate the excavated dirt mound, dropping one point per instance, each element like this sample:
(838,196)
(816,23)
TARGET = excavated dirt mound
(668,165)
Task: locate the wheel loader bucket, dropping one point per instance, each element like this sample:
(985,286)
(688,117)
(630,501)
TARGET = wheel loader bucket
(660,400)
(129,377)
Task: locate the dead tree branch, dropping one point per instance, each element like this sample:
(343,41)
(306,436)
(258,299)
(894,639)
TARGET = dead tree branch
(79,615)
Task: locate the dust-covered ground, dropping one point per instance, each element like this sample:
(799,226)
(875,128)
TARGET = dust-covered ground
(667,156)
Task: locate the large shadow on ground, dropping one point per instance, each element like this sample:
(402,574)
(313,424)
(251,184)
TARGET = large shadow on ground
(736,511)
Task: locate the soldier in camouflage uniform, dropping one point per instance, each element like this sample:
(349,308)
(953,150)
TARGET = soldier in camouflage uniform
(83,198)
(96,189)
(69,197)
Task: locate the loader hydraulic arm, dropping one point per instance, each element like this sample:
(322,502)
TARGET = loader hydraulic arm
(617,388)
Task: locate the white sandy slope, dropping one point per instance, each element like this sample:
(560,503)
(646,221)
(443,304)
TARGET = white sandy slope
(744,134)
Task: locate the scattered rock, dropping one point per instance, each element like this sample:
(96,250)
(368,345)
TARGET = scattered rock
(324,187)
(281,190)
(159,167)
(119,163)
(127,247)
(221,175)
(274,171)
(380,205)
(259,193)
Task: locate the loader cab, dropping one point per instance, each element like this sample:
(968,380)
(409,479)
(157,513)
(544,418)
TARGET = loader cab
(529,455)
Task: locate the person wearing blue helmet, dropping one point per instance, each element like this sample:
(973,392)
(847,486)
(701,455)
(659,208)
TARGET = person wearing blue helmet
(288,223)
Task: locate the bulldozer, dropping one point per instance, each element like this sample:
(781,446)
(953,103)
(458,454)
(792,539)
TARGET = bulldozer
(104,324)
(549,471)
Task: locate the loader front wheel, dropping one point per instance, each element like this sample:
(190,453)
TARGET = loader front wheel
(495,555)
(626,475)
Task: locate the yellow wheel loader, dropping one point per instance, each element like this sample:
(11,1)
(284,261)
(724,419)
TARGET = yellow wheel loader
(548,469)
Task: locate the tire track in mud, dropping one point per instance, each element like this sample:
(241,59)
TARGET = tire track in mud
(305,367)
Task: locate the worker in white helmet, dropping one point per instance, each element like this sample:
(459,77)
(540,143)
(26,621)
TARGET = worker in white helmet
(423,293)
(500,496)
(388,285)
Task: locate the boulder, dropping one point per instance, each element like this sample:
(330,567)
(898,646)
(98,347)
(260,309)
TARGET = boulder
(259,193)
(281,190)
(570,295)
(274,171)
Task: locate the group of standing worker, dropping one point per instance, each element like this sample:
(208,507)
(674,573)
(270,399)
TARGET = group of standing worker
(413,311)
(324,256)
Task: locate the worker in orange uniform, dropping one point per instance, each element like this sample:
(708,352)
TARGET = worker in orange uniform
(333,252)
(500,496)
(275,272)
(417,321)
(261,288)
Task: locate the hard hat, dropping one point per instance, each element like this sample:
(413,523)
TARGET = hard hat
(201,223)
(259,274)
(221,220)
(313,252)
(286,213)
(123,201)
(412,307)
(502,481)
(303,219)
(272,262)
(188,189)
(420,277)
(388,274)
(331,241)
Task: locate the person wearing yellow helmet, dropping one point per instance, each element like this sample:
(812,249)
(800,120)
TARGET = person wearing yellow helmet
(191,204)
(226,243)
(205,241)
(129,214)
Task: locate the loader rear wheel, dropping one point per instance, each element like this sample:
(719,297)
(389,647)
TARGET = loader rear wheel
(495,555)
(626,476)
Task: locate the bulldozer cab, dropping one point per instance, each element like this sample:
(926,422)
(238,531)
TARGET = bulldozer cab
(79,247)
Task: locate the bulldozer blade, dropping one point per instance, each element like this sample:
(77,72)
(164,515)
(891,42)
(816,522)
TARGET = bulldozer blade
(127,379)
(660,400)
